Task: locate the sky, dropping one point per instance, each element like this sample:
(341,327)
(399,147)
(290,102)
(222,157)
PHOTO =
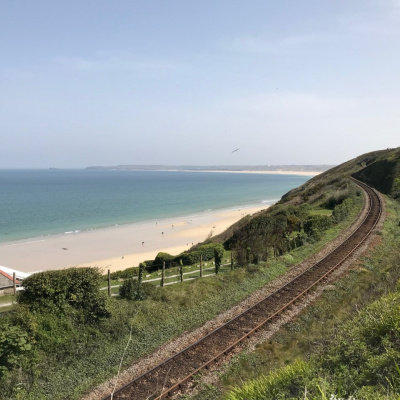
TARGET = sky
(178,82)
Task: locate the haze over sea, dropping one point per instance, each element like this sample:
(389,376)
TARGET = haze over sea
(36,203)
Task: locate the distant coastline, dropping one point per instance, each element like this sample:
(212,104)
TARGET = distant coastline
(275,172)
(258,169)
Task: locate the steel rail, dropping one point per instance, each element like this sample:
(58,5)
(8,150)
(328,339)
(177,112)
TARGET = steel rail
(246,335)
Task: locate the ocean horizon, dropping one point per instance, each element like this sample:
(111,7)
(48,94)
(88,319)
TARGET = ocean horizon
(37,203)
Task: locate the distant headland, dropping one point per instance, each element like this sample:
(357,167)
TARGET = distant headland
(279,169)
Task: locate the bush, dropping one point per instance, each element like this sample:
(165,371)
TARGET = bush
(193,257)
(13,343)
(336,199)
(131,290)
(158,261)
(124,274)
(218,255)
(316,224)
(341,211)
(75,288)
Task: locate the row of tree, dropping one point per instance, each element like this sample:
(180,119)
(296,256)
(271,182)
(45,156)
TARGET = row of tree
(288,227)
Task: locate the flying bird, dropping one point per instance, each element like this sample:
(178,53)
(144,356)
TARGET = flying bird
(235,150)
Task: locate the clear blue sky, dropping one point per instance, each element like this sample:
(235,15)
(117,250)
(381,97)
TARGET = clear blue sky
(96,82)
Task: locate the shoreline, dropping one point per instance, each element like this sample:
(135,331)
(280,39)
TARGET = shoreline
(122,246)
(60,234)
(222,171)
(17,239)
(277,172)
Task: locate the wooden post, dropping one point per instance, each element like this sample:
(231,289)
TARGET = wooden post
(201,265)
(109,283)
(181,269)
(141,270)
(14,284)
(231,261)
(162,274)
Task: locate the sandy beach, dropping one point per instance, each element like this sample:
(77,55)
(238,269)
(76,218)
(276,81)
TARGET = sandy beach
(277,172)
(125,246)
(119,247)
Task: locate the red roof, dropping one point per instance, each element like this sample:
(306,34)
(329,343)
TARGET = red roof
(9,277)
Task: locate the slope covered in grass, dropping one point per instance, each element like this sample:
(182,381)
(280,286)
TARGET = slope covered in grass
(347,344)
(59,353)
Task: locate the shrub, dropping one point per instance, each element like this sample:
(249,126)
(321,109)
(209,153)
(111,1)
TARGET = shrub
(336,199)
(193,257)
(75,288)
(13,343)
(158,261)
(124,274)
(218,255)
(131,290)
(341,211)
(316,224)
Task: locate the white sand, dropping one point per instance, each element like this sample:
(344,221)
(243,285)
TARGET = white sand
(118,247)
(277,172)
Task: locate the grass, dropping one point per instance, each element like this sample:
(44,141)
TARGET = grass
(92,356)
(6,309)
(319,327)
(7,298)
(174,271)
(181,307)
(321,211)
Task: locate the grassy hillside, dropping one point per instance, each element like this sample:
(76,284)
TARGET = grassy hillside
(347,344)
(57,345)
(380,169)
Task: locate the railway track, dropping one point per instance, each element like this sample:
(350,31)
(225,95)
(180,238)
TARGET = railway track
(170,375)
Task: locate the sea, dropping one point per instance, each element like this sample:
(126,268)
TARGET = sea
(37,203)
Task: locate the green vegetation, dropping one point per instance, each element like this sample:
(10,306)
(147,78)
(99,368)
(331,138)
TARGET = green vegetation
(90,352)
(8,298)
(360,362)
(345,344)
(218,255)
(7,303)
(64,336)
(190,257)
(73,290)
(288,226)
(69,353)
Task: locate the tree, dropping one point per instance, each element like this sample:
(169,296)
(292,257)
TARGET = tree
(248,255)
(293,223)
(218,256)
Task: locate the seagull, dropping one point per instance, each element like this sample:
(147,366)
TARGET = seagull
(235,150)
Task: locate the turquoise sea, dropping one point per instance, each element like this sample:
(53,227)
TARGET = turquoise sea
(36,203)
